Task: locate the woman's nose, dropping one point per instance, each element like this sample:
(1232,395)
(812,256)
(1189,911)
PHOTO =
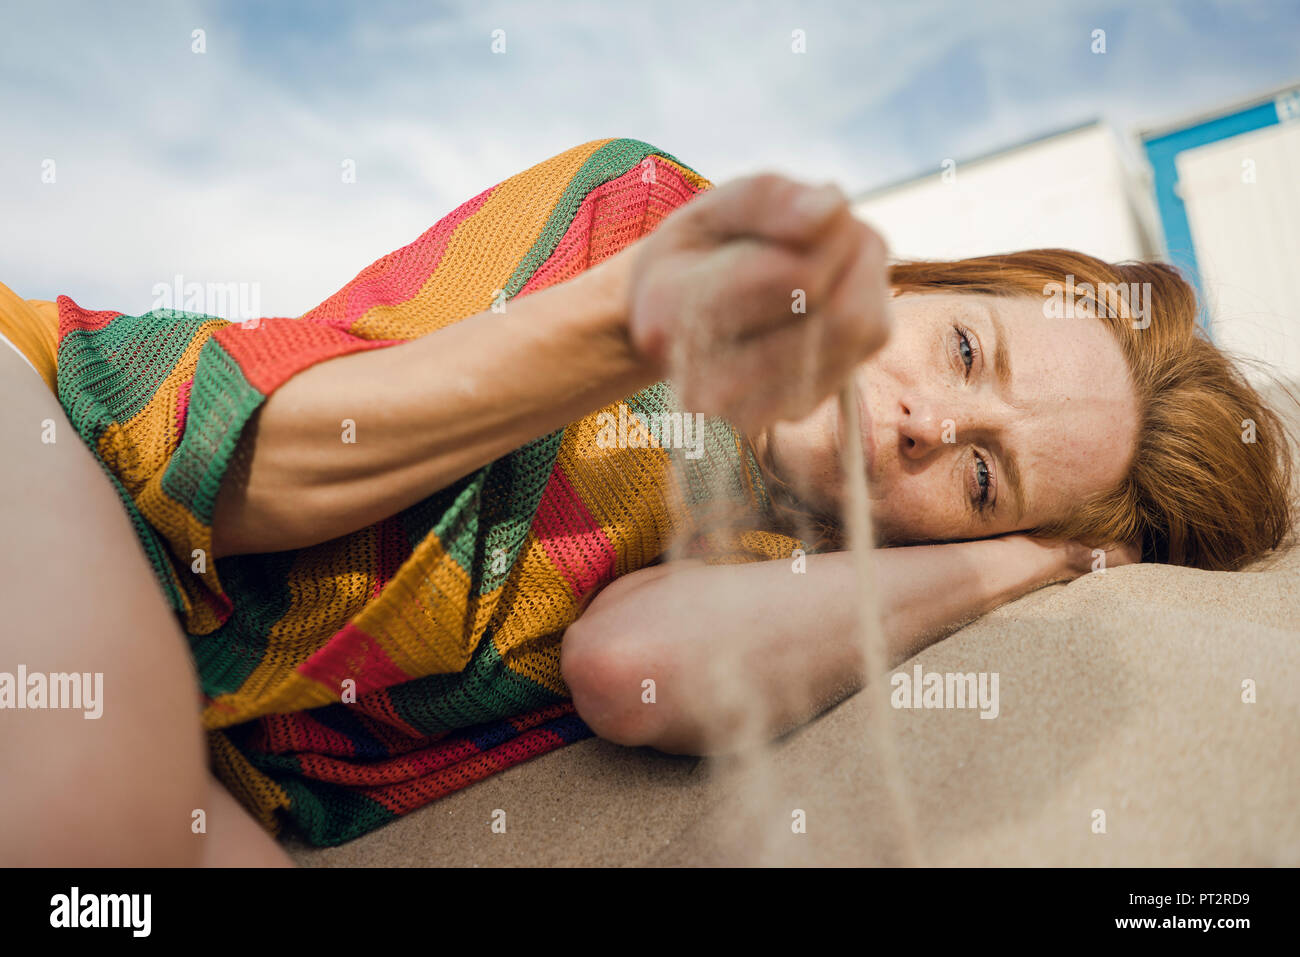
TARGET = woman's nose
(921,428)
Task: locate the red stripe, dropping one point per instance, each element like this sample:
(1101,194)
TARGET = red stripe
(298,732)
(394,550)
(353,654)
(272,350)
(72,316)
(409,782)
(183,406)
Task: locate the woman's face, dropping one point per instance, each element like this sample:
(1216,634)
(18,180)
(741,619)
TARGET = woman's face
(980,416)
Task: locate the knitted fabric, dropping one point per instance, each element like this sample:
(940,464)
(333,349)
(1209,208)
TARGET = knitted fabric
(353,681)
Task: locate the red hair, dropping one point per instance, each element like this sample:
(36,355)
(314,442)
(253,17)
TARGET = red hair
(1210,482)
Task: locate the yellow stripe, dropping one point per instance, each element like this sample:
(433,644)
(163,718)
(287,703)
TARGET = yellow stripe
(426,620)
(138,451)
(251,787)
(529,640)
(327,587)
(32,325)
(607,478)
(483,252)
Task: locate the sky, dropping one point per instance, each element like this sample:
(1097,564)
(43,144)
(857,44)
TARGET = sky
(226,165)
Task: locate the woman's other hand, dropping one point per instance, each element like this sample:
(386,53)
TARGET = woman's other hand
(1082,558)
(759,298)
(1067,560)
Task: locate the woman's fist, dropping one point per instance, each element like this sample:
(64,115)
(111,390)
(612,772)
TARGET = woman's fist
(759,298)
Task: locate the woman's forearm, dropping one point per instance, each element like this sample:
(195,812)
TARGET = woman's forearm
(425,413)
(928,591)
(736,651)
(428,412)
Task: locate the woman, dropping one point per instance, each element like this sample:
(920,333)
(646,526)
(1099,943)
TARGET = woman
(371,547)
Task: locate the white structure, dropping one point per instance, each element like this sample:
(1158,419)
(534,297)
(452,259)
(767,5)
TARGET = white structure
(1075,189)
(1216,194)
(1232,210)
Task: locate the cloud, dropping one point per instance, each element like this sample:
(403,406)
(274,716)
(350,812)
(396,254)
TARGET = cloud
(225,166)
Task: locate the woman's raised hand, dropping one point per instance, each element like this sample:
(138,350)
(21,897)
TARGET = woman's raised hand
(759,298)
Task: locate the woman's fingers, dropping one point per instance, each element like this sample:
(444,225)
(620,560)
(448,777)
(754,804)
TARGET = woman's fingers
(1123,555)
(1082,558)
(785,371)
(857,310)
(762,301)
(698,303)
(748,287)
(780,375)
(768,206)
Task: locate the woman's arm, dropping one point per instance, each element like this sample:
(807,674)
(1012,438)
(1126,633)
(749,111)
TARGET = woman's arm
(432,410)
(739,653)
(426,413)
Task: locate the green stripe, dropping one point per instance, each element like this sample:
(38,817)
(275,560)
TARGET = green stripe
(484,690)
(513,490)
(326,814)
(719,471)
(457,528)
(119,368)
(221,401)
(258,588)
(491,509)
(423,518)
(107,376)
(155,547)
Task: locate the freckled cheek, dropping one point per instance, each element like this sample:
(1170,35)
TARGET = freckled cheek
(823,470)
(828,486)
(912,510)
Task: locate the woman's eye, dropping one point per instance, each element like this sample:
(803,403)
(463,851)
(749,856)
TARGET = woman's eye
(965,349)
(981,481)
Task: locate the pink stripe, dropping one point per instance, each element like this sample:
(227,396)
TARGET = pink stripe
(609,209)
(575,543)
(398,276)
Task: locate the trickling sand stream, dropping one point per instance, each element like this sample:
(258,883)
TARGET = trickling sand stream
(757,818)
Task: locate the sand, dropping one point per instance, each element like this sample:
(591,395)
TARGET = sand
(1120,703)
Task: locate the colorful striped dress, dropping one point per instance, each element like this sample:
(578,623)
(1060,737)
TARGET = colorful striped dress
(353,681)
